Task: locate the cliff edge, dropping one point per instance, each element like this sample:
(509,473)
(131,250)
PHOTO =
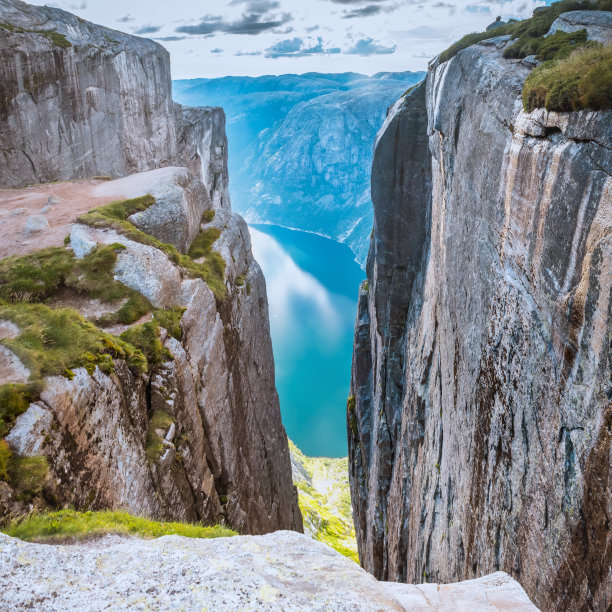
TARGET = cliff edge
(136,366)
(479,420)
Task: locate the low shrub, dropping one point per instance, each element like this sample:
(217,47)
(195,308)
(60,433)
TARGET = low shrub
(581,81)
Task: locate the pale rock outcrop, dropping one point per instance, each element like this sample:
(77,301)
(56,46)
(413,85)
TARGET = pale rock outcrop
(180,201)
(12,369)
(598,24)
(279,571)
(480,437)
(69,110)
(28,433)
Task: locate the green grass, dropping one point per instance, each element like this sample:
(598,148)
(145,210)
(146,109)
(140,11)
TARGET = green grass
(5,457)
(202,244)
(326,505)
(55,341)
(54,37)
(145,337)
(528,33)
(154,447)
(212,271)
(26,475)
(43,274)
(58,526)
(14,400)
(170,320)
(122,209)
(208,216)
(581,81)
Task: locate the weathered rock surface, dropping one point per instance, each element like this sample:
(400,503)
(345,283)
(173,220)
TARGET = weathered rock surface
(228,457)
(280,571)
(480,437)
(598,24)
(101,106)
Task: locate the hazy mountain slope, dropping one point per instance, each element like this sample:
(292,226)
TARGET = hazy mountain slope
(300,146)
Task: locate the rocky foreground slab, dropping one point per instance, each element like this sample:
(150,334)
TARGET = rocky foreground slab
(279,571)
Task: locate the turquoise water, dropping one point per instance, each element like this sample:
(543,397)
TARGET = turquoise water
(312,285)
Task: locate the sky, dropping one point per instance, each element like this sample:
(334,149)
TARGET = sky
(213,38)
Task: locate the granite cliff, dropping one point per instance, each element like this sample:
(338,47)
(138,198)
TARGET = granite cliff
(479,420)
(136,367)
(68,88)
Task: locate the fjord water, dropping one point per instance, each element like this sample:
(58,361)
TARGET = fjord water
(312,285)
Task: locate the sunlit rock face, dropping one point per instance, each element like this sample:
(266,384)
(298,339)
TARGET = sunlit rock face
(86,100)
(480,435)
(89,101)
(301,146)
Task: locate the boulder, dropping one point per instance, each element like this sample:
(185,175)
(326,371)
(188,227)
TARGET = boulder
(36,224)
(280,571)
(28,433)
(598,24)
(12,369)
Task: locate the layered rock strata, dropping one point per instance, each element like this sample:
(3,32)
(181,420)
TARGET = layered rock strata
(480,417)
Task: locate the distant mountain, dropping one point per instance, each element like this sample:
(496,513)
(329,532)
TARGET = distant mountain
(300,146)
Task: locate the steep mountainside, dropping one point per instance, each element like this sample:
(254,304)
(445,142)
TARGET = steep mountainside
(480,415)
(301,146)
(70,88)
(136,367)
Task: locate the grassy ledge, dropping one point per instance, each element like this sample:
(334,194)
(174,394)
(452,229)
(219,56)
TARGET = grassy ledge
(69,524)
(581,81)
(54,37)
(211,270)
(576,74)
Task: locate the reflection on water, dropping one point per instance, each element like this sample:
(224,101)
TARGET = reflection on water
(312,285)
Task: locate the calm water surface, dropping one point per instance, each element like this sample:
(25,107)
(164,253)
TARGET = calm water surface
(312,287)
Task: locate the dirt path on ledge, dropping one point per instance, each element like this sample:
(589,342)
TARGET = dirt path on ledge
(76,198)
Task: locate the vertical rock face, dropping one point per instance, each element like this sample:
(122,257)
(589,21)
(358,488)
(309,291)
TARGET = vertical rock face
(479,437)
(199,435)
(79,100)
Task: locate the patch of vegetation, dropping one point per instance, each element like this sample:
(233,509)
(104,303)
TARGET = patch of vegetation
(40,275)
(145,337)
(27,475)
(212,271)
(581,81)
(170,320)
(350,414)
(527,31)
(240,280)
(155,447)
(208,215)
(325,502)
(202,244)
(5,457)
(65,524)
(122,209)
(14,400)
(52,341)
(54,37)
(557,46)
